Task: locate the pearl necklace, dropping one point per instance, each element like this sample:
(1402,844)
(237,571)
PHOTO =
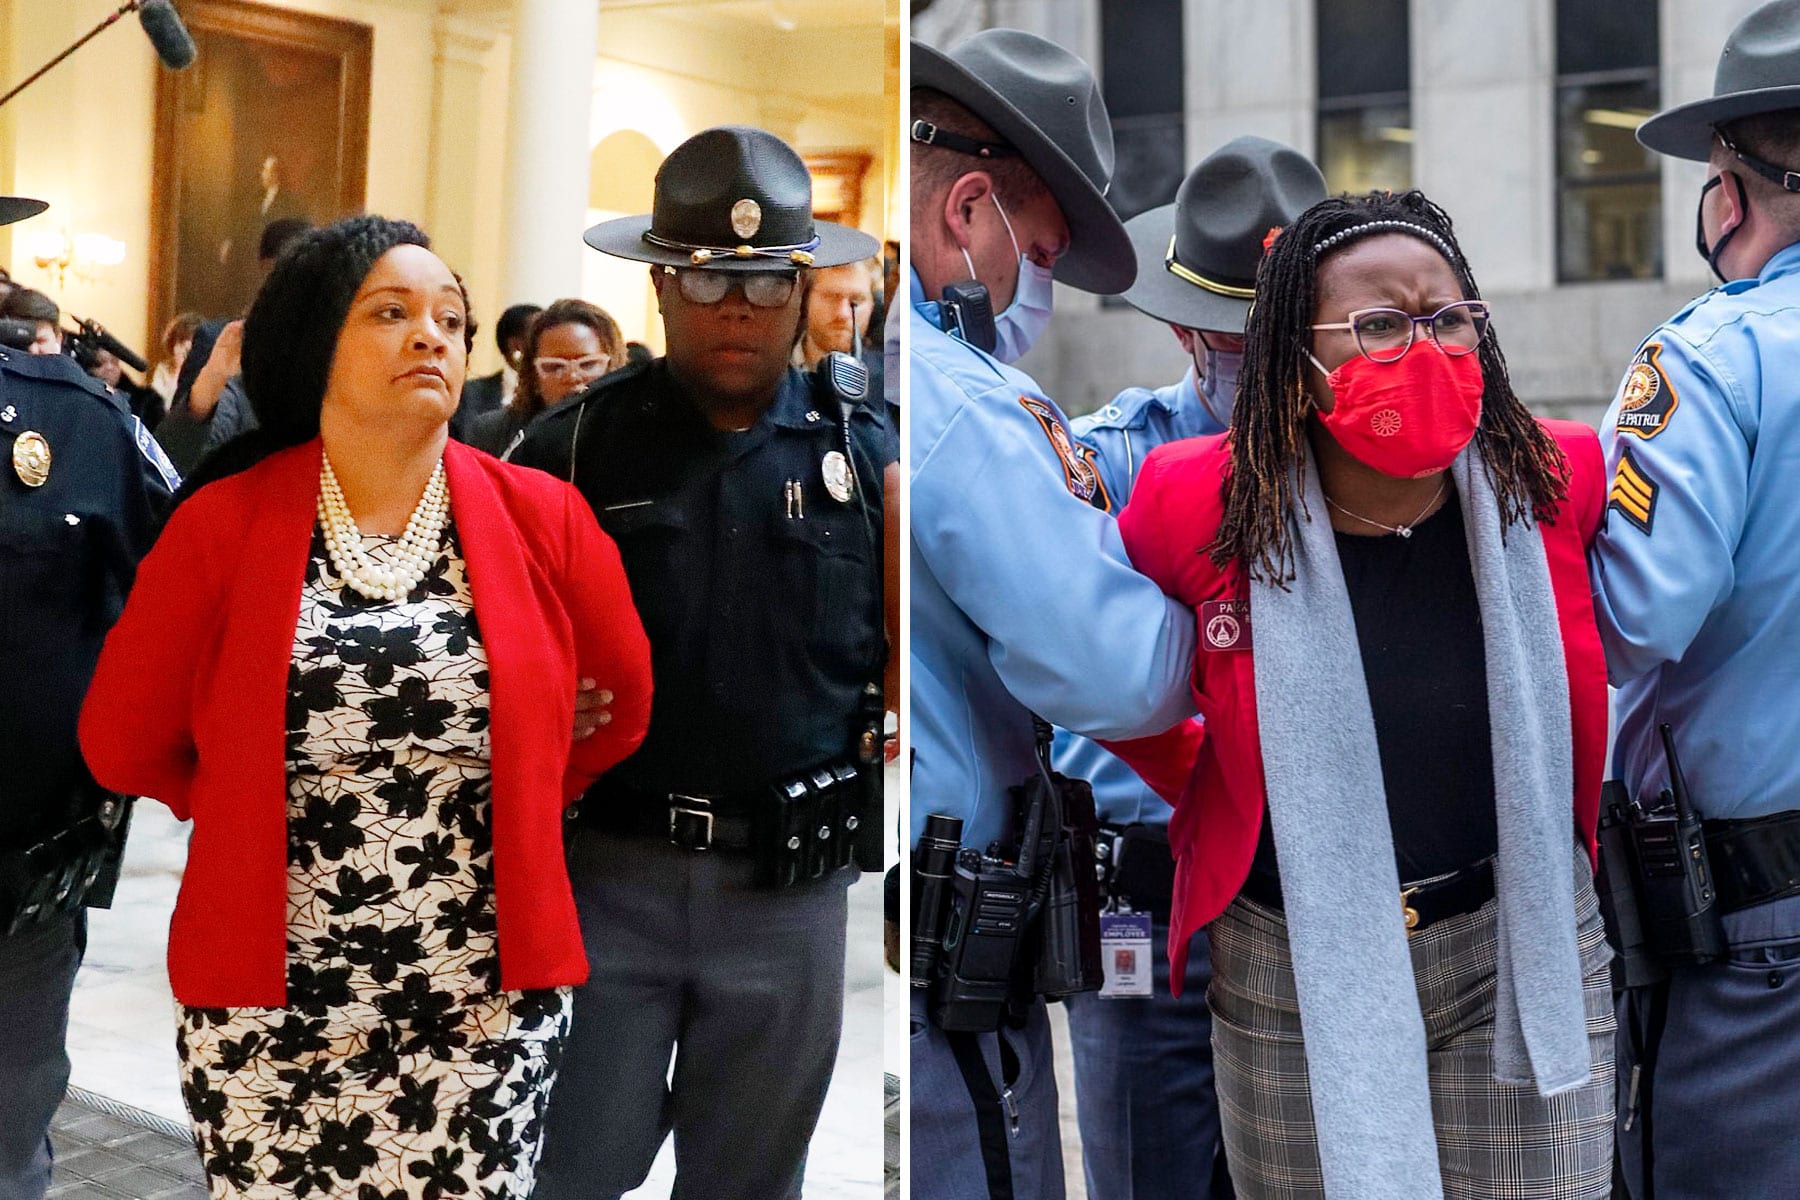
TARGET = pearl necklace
(1405,530)
(415,552)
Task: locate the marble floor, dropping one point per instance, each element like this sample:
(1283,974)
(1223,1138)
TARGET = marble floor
(122,1041)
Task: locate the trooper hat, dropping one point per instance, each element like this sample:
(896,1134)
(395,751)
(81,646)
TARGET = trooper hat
(1759,72)
(1045,105)
(732,199)
(17,208)
(1197,257)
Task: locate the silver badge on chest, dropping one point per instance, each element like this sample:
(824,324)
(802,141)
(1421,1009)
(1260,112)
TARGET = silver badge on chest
(838,480)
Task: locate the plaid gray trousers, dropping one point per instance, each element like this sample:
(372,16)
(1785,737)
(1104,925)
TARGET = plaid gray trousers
(1495,1142)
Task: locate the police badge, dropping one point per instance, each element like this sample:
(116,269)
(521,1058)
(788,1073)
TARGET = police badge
(838,481)
(31,459)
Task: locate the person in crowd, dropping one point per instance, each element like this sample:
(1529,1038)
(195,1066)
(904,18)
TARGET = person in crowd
(1143,1057)
(80,500)
(367,712)
(210,408)
(32,307)
(486,393)
(1694,579)
(567,346)
(177,339)
(711,867)
(838,307)
(106,366)
(1405,719)
(1023,602)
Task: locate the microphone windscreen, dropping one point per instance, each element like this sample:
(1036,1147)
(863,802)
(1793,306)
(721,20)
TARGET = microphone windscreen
(162,24)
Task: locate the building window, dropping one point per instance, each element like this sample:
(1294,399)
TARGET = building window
(1609,188)
(1140,78)
(1365,95)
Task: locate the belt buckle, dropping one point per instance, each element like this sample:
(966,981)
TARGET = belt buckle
(691,821)
(1411,914)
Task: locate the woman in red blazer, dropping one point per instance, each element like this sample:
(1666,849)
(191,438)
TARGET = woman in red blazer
(366,706)
(1386,819)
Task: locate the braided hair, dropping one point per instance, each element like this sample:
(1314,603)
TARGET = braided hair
(1270,419)
(291,334)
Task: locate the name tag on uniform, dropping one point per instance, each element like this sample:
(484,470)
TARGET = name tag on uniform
(1125,956)
(1225,625)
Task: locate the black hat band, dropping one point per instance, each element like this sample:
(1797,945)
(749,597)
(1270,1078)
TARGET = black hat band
(927,134)
(1188,275)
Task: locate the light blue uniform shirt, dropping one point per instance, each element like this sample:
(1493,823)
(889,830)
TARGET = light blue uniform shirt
(1697,568)
(1022,597)
(1122,434)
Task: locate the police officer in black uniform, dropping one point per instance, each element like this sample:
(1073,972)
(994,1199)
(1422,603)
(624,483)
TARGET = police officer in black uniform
(82,488)
(710,867)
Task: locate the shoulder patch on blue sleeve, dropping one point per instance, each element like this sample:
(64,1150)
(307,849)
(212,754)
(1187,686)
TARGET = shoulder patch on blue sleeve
(1633,492)
(1648,399)
(1079,474)
(150,449)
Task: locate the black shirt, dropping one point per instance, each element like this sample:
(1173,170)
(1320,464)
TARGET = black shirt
(760,591)
(69,549)
(1418,626)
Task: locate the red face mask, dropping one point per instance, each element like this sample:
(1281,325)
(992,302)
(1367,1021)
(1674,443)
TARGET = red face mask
(1407,418)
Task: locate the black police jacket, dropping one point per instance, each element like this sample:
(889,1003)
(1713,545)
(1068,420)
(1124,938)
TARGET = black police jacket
(69,549)
(760,591)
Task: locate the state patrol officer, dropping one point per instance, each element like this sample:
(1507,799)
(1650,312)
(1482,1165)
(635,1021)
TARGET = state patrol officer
(1023,600)
(1697,587)
(1143,1060)
(746,501)
(82,488)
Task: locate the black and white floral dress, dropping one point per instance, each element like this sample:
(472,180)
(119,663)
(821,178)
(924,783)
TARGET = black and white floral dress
(398,1069)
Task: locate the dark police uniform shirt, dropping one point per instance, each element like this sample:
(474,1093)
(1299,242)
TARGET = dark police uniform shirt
(761,594)
(68,552)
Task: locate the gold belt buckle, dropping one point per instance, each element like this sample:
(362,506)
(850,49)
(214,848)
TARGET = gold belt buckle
(1411,913)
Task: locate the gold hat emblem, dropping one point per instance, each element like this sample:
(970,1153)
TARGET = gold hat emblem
(746,218)
(31,459)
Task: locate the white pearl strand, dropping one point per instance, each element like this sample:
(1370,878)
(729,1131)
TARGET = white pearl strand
(416,551)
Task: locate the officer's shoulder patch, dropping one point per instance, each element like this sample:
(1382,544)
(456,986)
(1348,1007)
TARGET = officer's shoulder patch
(150,449)
(1648,400)
(1633,492)
(1079,473)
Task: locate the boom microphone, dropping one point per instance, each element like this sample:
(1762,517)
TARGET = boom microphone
(162,25)
(97,334)
(168,36)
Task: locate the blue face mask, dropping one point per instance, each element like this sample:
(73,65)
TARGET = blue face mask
(1218,376)
(1019,327)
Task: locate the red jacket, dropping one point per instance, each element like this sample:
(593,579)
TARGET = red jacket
(189,703)
(1212,773)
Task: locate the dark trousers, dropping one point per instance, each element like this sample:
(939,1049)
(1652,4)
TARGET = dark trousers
(37,976)
(1718,1088)
(744,987)
(1144,1087)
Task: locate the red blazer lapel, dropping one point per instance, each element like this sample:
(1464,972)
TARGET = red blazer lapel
(529,644)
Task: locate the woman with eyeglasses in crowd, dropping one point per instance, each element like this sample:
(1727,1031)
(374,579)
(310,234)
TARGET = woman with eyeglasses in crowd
(567,346)
(1386,822)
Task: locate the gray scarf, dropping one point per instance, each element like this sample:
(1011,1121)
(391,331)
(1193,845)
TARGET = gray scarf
(1365,1035)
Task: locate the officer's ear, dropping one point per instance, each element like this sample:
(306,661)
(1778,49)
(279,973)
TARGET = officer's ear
(967,194)
(658,276)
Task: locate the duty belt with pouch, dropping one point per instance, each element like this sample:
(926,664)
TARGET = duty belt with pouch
(1659,894)
(799,829)
(75,867)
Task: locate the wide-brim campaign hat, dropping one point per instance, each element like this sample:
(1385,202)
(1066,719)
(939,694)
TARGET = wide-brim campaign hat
(732,199)
(1044,102)
(17,208)
(1759,72)
(1197,257)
